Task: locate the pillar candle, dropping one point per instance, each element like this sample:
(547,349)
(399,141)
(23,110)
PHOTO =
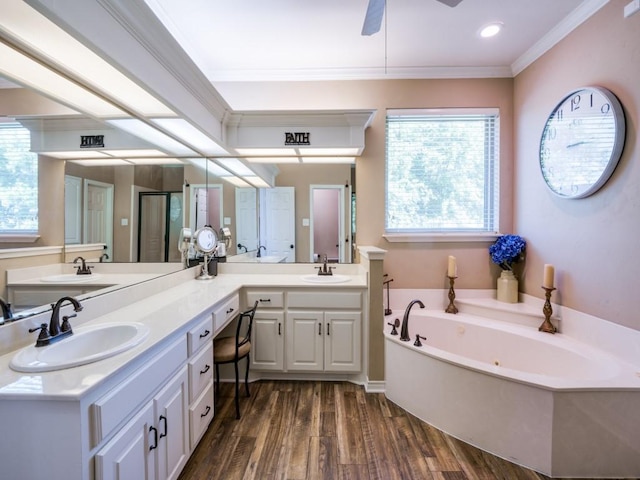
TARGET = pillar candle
(548,276)
(452,268)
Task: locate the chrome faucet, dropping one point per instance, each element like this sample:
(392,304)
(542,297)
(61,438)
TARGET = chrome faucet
(83,269)
(404,330)
(323,270)
(56,330)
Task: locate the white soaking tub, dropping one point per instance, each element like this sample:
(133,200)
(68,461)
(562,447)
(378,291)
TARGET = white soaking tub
(548,402)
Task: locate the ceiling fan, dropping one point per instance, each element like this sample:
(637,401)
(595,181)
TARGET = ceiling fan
(375,12)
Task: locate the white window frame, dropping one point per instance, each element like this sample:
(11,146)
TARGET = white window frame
(451,235)
(22,235)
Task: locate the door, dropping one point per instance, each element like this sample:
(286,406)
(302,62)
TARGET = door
(267,343)
(342,350)
(171,411)
(98,214)
(152,226)
(305,340)
(278,222)
(72,210)
(130,454)
(246,217)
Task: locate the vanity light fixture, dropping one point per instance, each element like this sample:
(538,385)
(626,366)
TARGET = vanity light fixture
(100,162)
(236,166)
(86,154)
(186,131)
(334,160)
(272,159)
(491,29)
(151,134)
(39,37)
(26,71)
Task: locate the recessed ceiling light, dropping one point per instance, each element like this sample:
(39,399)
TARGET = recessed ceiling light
(491,30)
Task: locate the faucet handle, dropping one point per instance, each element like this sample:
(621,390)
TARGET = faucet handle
(418,343)
(43,338)
(66,326)
(394,326)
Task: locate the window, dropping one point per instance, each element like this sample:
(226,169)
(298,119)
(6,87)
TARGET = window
(442,171)
(18,181)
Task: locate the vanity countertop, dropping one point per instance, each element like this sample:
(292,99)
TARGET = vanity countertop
(164,312)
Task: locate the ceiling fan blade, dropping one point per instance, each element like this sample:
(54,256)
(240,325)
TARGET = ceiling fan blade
(373,17)
(451,3)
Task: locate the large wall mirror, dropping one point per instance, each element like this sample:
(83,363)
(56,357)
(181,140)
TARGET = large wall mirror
(141,209)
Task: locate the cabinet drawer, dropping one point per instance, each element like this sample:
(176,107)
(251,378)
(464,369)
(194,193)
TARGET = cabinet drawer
(110,410)
(201,414)
(224,313)
(324,299)
(200,371)
(201,334)
(265,299)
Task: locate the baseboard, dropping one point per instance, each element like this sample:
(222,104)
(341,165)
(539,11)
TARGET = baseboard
(375,386)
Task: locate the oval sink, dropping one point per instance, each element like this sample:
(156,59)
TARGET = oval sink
(86,345)
(270,259)
(70,278)
(315,278)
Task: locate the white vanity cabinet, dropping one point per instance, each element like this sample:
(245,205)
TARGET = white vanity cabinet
(300,329)
(267,339)
(155,443)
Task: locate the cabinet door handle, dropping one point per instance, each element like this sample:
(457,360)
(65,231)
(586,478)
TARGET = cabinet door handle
(205,370)
(205,333)
(163,419)
(279,328)
(155,438)
(206,411)
(319,328)
(328,331)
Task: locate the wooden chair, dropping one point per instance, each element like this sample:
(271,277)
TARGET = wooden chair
(234,349)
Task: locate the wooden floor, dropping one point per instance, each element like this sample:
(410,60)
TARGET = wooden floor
(332,430)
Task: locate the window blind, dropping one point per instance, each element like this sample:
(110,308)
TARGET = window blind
(442,172)
(18,180)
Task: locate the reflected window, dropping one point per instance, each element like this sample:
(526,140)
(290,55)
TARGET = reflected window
(18,181)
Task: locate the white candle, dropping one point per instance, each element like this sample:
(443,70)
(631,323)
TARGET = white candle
(548,276)
(452,268)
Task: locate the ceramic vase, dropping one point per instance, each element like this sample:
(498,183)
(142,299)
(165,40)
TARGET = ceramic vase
(507,290)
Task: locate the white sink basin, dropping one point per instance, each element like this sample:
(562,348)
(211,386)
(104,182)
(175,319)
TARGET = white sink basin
(86,345)
(315,278)
(270,259)
(70,278)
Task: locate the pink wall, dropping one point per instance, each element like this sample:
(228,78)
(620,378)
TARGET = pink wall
(592,242)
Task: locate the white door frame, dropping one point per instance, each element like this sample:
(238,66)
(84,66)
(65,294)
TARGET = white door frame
(108,216)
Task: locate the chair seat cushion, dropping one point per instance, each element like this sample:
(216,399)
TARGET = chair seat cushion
(224,349)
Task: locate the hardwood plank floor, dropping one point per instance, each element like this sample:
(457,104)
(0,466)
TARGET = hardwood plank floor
(332,430)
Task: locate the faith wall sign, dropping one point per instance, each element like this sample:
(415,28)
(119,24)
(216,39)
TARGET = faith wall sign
(297,138)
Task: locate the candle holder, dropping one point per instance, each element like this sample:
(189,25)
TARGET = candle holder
(547,326)
(451,308)
(387,311)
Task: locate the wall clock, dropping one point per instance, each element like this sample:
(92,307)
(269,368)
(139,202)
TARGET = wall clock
(582,142)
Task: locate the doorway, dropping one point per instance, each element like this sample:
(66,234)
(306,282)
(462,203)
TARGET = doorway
(98,214)
(330,220)
(159,224)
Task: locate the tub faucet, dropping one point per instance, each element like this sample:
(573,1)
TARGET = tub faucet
(242,246)
(404,330)
(260,247)
(83,269)
(7,314)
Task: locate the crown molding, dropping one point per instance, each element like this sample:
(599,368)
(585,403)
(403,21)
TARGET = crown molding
(557,33)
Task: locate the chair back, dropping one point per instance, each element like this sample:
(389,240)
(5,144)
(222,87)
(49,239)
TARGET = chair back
(243,329)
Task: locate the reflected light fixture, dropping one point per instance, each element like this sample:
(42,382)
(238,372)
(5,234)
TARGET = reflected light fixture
(185,130)
(152,135)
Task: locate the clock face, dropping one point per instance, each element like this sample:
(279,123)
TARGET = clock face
(206,240)
(582,142)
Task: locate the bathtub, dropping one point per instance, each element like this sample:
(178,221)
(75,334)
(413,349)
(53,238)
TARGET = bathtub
(548,402)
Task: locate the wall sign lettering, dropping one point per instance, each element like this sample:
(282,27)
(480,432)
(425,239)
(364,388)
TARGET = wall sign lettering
(91,141)
(297,138)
